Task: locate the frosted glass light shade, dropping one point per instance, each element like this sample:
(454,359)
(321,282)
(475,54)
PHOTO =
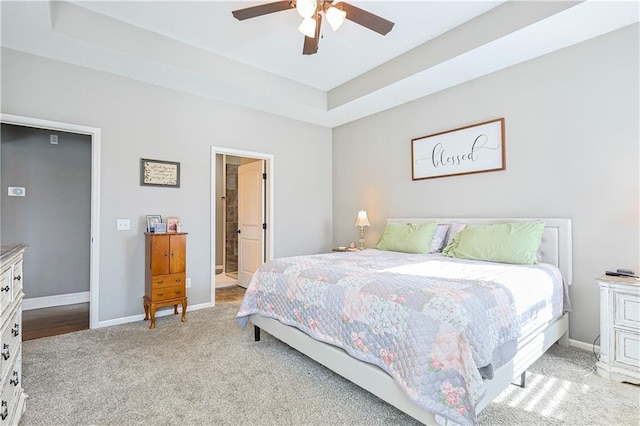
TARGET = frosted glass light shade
(335,17)
(306,8)
(362,219)
(308,27)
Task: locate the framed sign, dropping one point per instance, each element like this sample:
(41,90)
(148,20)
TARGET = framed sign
(159,173)
(476,148)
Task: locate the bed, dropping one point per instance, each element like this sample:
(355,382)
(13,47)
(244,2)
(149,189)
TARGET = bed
(375,370)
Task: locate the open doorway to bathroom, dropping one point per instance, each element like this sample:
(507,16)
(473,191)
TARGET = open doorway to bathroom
(227,220)
(242,194)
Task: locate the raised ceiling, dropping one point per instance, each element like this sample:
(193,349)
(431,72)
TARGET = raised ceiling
(198,47)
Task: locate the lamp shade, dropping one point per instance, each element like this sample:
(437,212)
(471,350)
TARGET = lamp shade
(335,17)
(306,8)
(362,219)
(308,27)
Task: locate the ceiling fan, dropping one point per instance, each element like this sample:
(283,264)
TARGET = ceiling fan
(312,11)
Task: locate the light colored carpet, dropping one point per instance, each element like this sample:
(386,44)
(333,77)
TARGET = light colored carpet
(210,371)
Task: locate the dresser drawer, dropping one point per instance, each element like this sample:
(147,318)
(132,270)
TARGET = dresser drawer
(10,395)
(17,279)
(627,349)
(6,289)
(10,342)
(169,280)
(627,310)
(167,293)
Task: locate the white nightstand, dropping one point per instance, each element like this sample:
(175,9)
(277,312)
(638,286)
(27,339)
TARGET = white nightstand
(619,329)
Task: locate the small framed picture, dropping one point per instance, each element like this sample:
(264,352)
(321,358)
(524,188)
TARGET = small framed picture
(160,228)
(172,223)
(152,220)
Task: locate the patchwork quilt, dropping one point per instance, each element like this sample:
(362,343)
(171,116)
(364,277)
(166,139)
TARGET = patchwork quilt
(434,324)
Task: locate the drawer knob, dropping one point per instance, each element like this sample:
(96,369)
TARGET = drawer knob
(18,277)
(4,289)
(15,330)
(160,282)
(15,382)
(5,351)
(178,291)
(160,294)
(5,411)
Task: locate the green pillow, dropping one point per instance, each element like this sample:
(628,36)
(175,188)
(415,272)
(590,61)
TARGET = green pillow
(407,237)
(503,242)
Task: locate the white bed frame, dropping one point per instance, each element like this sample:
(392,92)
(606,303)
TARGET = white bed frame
(555,248)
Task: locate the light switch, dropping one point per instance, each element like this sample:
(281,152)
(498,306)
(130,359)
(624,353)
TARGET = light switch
(123,225)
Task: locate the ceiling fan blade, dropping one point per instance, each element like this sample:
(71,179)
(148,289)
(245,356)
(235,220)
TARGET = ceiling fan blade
(310,46)
(262,9)
(367,19)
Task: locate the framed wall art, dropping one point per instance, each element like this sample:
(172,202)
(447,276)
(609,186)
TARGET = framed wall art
(476,148)
(159,173)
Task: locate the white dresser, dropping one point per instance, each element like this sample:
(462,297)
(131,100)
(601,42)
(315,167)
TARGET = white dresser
(619,329)
(12,396)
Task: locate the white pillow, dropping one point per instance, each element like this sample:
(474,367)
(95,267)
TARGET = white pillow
(438,240)
(454,229)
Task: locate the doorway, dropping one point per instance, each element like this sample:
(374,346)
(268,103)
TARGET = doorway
(67,131)
(242,230)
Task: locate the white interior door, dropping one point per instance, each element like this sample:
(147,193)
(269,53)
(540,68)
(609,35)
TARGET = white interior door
(250,220)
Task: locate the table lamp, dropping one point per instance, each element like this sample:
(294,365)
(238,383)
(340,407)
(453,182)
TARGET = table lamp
(362,221)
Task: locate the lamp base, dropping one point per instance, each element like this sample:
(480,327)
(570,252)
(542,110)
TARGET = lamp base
(362,238)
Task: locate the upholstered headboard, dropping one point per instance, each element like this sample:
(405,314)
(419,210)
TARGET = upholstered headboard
(555,247)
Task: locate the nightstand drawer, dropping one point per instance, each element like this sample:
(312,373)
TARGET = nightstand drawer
(627,348)
(164,281)
(627,309)
(167,293)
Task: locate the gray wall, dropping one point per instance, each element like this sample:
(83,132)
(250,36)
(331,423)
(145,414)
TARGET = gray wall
(571,151)
(140,120)
(55,216)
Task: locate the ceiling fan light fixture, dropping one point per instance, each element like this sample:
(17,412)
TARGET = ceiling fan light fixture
(335,17)
(308,27)
(306,8)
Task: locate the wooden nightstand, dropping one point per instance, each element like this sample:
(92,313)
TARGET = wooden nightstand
(619,329)
(165,274)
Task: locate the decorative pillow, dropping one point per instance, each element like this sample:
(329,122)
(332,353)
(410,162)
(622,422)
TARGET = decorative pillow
(502,242)
(438,239)
(407,237)
(454,229)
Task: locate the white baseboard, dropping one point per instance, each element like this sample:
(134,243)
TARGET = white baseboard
(582,345)
(57,300)
(140,317)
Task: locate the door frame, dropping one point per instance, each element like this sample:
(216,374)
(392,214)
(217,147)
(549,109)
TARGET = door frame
(269,159)
(94,245)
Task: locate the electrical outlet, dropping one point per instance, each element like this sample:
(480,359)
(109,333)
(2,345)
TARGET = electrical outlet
(123,225)
(188,282)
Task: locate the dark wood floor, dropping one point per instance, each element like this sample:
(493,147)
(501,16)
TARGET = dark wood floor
(37,323)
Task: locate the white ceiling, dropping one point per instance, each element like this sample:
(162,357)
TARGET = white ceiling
(272,42)
(198,47)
